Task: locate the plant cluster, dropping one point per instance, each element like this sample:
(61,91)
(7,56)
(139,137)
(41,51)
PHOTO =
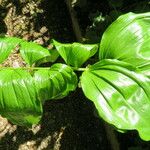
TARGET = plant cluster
(118,84)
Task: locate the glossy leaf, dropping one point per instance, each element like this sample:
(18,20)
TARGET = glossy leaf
(31,52)
(127,39)
(7,45)
(19,101)
(145,69)
(121,95)
(75,54)
(56,82)
(51,58)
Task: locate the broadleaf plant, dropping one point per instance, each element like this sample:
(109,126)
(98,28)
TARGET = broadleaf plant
(118,84)
(7,45)
(55,82)
(30,51)
(19,100)
(24,90)
(127,39)
(120,94)
(75,54)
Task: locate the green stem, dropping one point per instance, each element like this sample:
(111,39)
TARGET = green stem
(79,69)
(37,68)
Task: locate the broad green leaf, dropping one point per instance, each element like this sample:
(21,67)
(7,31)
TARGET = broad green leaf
(52,58)
(55,82)
(145,69)
(7,45)
(121,95)
(75,54)
(127,39)
(18,97)
(32,52)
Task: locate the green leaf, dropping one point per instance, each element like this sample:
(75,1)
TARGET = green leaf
(32,52)
(127,39)
(18,97)
(145,69)
(22,95)
(121,95)
(75,54)
(7,45)
(52,58)
(56,82)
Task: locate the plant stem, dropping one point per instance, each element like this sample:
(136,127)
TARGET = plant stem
(79,69)
(37,68)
